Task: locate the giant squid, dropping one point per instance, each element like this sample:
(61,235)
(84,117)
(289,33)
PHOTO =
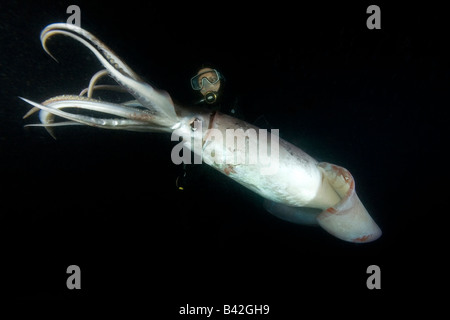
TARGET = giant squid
(298,189)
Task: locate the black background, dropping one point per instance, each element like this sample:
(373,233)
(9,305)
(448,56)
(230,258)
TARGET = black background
(373,101)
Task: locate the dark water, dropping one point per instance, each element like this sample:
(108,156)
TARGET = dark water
(373,101)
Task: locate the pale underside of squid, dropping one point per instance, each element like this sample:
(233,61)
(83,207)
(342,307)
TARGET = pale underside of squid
(299,190)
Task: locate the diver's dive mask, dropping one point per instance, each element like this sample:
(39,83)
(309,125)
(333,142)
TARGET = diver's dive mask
(210,76)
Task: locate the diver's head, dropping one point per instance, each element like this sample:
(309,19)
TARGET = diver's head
(207,81)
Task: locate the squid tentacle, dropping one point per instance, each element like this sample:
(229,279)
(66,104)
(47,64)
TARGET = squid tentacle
(109,87)
(83,36)
(133,119)
(94,79)
(92,85)
(157,101)
(47,117)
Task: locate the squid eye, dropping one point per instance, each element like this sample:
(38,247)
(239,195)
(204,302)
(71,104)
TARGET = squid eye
(195,124)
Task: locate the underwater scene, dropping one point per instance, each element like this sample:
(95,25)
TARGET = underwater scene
(215,160)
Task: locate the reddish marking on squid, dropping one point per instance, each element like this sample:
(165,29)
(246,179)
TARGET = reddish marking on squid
(362,239)
(351,188)
(331,210)
(340,170)
(229,169)
(141,117)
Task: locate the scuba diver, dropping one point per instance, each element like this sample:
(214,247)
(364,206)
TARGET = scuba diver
(207,81)
(210,83)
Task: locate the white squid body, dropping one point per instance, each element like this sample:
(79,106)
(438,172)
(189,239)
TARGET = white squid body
(298,182)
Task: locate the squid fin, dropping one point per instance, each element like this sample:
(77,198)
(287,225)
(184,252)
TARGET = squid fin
(300,215)
(348,219)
